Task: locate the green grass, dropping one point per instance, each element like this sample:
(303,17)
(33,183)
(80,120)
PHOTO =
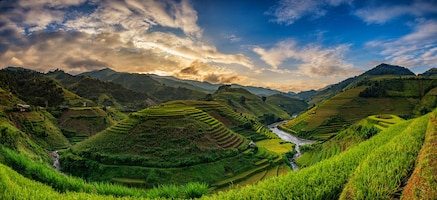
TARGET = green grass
(422,184)
(270,156)
(41,125)
(290,105)
(345,139)
(276,145)
(405,97)
(324,180)
(252,105)
(63,183)
(85,121)
(15,186)
(15,139)
(176,142)
(240,177)
(381,174)
(243,123)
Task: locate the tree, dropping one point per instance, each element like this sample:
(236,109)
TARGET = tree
(264,98)
(208,97)
(243,100)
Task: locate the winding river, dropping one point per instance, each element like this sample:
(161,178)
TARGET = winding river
(290,138)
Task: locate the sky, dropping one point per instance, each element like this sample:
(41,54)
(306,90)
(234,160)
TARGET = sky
(287,45)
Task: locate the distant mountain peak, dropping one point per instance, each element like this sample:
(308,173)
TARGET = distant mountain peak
(387,69)
(107,69)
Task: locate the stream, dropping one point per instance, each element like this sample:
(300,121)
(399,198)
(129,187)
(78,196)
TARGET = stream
(55,157)
(290,138)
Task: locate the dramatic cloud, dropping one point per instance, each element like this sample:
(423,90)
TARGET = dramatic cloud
(276,55)
(418,48)
(190,49)
(135,16)
(288,11)
(191,39)
(220,78)
(134,35)
(314,60)
(190,70)
(87,64)
(383,14)
(206,72)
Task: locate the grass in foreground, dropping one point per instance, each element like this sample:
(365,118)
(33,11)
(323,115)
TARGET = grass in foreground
(324,180)
(423,182)
(381,174)
(65,184)
(346,139)
(14,186)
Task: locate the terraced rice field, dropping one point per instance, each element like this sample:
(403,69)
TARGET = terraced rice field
(201,131)
(265,168)
(124,126)
(336,146)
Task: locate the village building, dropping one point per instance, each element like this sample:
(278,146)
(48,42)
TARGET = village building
(23,107)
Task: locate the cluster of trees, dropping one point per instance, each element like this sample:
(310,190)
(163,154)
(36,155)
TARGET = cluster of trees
(32,87)
(93,89)
(376,89)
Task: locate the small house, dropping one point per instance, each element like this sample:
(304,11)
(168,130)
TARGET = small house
(23,107)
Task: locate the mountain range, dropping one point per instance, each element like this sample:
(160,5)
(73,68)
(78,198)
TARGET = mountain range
(189,139)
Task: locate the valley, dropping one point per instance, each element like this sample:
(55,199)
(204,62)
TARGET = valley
(110,135)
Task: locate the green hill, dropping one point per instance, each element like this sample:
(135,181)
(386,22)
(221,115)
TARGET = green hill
(346,139)
(174,143)
(48,125)
(144,83)
(377,141)
(43,92)
(40,125)
(291,105)
(192,85)
(101,92)
(330,91)
(82,122)
(243,101)
(37,89)
(387,69)
(382,70)
(359,172)
(11,137)
(243,124)
(405,96)
(430,72)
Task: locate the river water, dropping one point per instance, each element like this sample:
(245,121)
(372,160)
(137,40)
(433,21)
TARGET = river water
(55,157)
(290,138)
